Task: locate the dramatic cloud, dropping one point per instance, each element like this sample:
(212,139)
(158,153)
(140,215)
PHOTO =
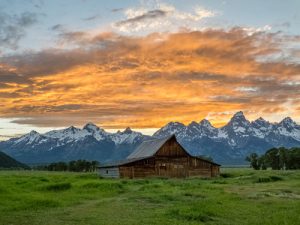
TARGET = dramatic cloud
(162,16)
(13,27)
(118,80)
(94,17)
(137,20)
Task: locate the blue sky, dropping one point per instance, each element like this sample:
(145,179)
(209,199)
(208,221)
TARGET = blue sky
(94,14)
(37,35)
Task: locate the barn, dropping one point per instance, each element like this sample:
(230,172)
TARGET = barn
(160,158)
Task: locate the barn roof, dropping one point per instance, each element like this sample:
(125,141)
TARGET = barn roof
(145,150)
(120,162)
(148,148)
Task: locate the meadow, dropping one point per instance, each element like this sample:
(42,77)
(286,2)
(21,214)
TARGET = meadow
(238,196)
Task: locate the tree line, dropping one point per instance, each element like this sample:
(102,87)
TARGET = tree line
(74,166)
(276,158)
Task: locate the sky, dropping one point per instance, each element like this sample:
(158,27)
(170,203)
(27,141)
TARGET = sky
(144,63)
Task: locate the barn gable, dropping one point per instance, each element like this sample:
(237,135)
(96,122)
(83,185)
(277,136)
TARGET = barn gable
(171,148)
(148,148)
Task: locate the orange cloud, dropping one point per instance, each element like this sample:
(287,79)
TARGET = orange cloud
(145,82)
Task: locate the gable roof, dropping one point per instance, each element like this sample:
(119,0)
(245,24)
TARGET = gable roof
(148,148)
(120,162)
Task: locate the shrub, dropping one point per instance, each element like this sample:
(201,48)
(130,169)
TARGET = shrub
(268,179)
(92,185)
(43,179)
(58,187)
(275,178)
(263,180)
(226,175)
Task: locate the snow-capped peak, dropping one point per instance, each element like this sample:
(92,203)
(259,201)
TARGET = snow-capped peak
(260,122)
(91,127)
(239,113)
(127,131)
(32,133)
(260,119)
(193,124)
(239,119)
(170,128)
(238,125)
(238,116)
(173,126)
(70,133)
(205,123)
(72,129)
(127,136)
(29,138)
(288,122)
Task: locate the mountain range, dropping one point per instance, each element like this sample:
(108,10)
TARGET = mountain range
(229,144)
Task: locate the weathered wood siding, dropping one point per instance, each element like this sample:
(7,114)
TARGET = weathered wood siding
(199,167)
(171,160)
(215,171)
(139,169)
(171,149)
(109,172)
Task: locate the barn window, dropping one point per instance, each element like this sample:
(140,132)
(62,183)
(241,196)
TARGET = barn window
(106,171)
(162,166)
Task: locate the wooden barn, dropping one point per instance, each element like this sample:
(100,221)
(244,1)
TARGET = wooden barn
(160,158)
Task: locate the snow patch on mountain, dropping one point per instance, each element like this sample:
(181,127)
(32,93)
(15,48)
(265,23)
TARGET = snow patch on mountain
(127,136)
(234,141)
(234,132)
(30,138)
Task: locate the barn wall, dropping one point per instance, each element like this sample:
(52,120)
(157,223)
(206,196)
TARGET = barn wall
(139,169)
(171,167)
(171,160)
(109,172)
(215,171)
(199,167)
(163,167)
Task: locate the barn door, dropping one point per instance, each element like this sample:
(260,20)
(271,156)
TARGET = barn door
(163,171)
(179,170)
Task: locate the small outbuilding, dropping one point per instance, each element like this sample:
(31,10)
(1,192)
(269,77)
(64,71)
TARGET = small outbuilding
(160,158)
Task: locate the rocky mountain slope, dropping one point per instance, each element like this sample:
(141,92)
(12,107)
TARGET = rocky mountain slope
(229,144)
(90,142)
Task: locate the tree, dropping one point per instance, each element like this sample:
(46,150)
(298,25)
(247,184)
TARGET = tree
(276,158)
(94,165)
(74,166)
(293,159)
(272,158)
(262,162)
(253,159)
(282,155)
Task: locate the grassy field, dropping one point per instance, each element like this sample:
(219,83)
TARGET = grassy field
(240,196)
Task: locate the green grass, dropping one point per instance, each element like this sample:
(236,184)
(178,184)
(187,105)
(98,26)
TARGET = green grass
(239,196)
